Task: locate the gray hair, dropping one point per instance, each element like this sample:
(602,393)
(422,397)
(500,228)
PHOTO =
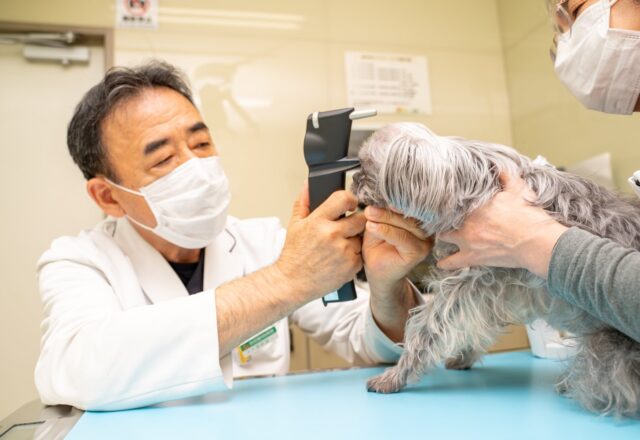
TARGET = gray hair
(401,160)
(84,134)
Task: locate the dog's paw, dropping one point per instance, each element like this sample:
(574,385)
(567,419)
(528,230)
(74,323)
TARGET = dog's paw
(562,388)
(460,362)
(463,361)
(385,383)
(457,364)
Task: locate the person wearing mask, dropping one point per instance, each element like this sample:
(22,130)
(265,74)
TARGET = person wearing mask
(596,54)
(169,297)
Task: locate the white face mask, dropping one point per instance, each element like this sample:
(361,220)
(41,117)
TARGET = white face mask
(189,204)
(599,65)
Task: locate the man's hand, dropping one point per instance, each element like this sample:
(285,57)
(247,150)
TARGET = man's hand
(506,232)
(320,254)
(322,251)
(392,247)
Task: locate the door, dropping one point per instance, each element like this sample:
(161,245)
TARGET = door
(43,197)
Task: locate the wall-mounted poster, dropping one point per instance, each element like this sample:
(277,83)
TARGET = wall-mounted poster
(388,82)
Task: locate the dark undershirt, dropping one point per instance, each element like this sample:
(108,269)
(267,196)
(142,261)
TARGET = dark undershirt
(191,274)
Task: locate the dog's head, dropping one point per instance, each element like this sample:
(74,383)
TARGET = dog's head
(437,180)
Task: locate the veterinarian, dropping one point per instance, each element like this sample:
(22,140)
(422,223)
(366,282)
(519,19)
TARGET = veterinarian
(169,297)
(597,56)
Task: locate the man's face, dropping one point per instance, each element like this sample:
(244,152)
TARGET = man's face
(147,137)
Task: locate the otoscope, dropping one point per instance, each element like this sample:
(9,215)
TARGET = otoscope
(326,145)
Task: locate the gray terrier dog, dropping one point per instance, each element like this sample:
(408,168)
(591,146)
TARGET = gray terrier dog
(440,181)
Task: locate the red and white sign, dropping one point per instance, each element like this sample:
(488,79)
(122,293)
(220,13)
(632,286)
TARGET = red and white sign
(137,14)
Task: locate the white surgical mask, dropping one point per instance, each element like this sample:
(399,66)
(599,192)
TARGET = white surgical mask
(599,65)
(189,204)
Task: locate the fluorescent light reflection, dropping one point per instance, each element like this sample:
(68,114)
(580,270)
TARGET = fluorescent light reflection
(225,18)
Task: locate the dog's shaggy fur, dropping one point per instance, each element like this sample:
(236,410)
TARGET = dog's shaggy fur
(440,181)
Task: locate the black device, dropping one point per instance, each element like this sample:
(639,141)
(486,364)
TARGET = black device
(326,146)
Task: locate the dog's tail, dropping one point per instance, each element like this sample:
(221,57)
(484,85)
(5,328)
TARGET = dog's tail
(605,374)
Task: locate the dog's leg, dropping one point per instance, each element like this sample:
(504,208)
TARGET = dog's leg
(604,376)
(393,379)
(418,354)
(466,312)
(464,360)
(426,345)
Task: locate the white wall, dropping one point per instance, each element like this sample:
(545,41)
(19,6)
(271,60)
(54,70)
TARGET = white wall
(546,119)
(279,76)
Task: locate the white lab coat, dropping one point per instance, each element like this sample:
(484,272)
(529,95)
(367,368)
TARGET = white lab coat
(121,331)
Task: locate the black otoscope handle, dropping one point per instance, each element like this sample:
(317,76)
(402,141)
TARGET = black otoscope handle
(320,188)
(326,145)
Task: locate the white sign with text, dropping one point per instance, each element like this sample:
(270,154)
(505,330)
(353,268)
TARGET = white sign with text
(389,82)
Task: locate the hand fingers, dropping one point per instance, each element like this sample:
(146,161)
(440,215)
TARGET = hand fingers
(352,225)
(355,244)
(301,205)
(510,183)
(400,238)
(389,217)
(338,203)
(453,262)
(450,237)
(516,186)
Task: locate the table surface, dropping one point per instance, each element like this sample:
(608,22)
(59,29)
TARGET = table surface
(508,395)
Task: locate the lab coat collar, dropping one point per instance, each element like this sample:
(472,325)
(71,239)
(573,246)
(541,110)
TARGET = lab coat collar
(223,259)
(222,263)
(157,279)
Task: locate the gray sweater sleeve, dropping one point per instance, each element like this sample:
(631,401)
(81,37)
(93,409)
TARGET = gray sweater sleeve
(599,276)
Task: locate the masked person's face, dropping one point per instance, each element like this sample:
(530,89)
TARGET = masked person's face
(597,53)
(170,181)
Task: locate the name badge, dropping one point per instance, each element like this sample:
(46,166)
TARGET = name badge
(245,349)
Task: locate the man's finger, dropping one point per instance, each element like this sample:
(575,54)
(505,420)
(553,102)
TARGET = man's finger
(510,183)
(355,244)
(450,237)
(516,186)
(352,225)
(301,205)
(379,215)
(400,238)
(338,203)
(453,262)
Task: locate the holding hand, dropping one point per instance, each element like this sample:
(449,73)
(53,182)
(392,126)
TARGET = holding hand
(322,251)
(506,232)
(392,246)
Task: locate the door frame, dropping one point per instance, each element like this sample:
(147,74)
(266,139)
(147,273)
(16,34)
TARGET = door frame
(87,34)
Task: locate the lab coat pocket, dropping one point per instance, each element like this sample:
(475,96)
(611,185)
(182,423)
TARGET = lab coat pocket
(267,352)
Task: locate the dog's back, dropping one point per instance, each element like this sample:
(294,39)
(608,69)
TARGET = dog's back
(577,201)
